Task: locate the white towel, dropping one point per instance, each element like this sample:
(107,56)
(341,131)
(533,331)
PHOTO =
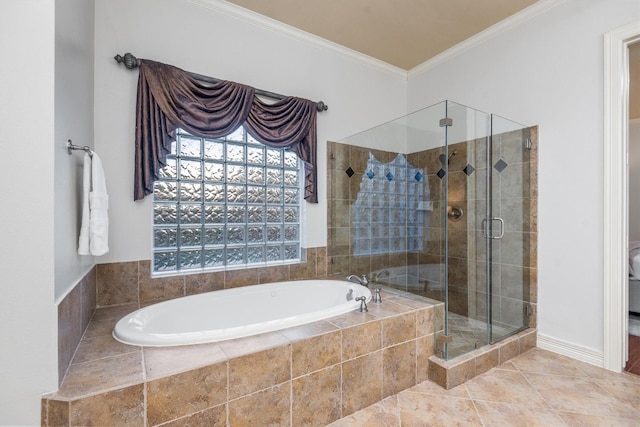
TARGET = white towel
(83,241)
(94,229)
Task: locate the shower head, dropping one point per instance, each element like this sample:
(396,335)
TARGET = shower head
(444,159)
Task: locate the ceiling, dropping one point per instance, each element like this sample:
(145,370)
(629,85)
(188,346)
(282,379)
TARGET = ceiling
(403,33)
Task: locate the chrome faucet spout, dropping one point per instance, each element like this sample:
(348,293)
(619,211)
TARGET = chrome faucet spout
(377,276)
(357,279)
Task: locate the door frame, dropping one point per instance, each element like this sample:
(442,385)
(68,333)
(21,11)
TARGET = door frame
(616,183)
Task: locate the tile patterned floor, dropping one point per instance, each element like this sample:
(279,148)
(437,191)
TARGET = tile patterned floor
(537,388)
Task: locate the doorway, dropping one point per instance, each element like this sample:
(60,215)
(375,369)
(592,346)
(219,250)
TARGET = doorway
(616,200)
(633,362)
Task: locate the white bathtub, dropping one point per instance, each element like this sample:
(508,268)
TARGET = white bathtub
(238,312)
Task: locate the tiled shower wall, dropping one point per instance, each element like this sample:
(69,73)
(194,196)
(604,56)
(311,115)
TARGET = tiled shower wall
(514,257)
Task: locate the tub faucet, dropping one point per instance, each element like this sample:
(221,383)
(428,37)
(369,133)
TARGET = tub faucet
(377,276)
(357,279)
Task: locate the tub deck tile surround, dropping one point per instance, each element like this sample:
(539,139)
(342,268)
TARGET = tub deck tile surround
(311,374)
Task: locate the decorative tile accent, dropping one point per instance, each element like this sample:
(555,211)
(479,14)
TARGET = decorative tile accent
(500,165)
(370,174)
(349,172)
(389,176)
(468,169)
(441,173)
(419,176)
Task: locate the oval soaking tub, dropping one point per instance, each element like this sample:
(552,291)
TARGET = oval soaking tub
(238,312)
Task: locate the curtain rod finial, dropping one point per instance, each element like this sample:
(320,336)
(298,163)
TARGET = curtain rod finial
(321,106)
(128,60)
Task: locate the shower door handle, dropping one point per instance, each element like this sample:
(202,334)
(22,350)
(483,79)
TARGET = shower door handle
(485,228)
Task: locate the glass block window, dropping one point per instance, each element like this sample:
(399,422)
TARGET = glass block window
(385,216)
(228,202)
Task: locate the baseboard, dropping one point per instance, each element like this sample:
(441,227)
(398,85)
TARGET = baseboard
(573,351)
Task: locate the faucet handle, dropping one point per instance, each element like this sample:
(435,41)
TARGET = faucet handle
(363,304)
(376,296)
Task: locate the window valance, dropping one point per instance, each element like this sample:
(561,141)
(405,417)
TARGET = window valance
(170,98)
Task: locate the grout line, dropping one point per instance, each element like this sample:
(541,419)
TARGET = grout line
(475,408)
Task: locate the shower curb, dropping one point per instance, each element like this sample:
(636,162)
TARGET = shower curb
(451,373)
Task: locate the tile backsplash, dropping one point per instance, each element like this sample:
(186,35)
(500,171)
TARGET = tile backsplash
(74,313)
(131,282)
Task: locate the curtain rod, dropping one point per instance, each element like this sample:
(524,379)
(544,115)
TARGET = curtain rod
(132,62)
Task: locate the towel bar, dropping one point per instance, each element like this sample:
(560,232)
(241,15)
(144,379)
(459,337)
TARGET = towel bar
(71,147)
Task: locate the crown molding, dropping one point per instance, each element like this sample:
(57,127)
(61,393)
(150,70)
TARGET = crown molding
(236,12)
(507,24)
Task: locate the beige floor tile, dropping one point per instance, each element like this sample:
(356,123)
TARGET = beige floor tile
(603,375)
(381,414)
(625,392)
(582,420)
(506,387)
(581,395)
(429,387)
(507,366)
(498,414)
(435,410)
(542,361)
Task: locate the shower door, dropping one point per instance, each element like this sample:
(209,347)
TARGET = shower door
(488,229)
(506,228)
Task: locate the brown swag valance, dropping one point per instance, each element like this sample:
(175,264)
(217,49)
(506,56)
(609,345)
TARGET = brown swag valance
(169,98)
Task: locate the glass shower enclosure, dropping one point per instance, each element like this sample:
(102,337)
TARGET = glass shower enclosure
(438,204)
